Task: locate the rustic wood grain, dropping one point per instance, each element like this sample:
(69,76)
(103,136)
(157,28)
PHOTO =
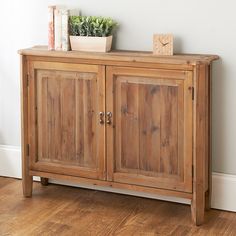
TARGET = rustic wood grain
(152,130)
(149,127)
(99,61)
(200,154)
(129,126)
(169,130)
(208,170)
(158,137)
(27,179)
(127,56)
(65,134)
(60,210)
(110,184)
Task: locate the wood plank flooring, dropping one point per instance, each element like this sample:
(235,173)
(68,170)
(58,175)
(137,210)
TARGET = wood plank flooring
(60,210)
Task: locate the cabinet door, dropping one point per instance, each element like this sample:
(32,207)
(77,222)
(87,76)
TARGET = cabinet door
(64,131)
(149,141)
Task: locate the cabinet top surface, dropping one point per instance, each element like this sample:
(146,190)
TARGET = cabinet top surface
(125,56)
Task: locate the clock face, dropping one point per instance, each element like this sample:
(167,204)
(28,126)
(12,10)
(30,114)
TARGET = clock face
(163,44)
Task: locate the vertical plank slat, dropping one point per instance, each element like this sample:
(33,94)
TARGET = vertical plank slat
(121,159)
(44,129)
(85,119)
(79,120)
(130,126)
(54,118)
(144,127)
(154,162)
(169,130)
(42,88)
(87,123)
(94,103)
(182,116)
(149,128)
(118,113)
(67,99)
(39,102)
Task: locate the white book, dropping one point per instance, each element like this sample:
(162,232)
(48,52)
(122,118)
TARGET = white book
(58,29)
(65,30)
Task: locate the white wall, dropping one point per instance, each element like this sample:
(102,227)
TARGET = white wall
(203,26)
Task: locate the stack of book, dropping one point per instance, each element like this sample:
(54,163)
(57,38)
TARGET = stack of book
(58,28)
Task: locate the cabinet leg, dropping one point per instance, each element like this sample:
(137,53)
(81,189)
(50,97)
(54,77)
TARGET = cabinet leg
(27,179)
(198,210)
(27,182)
(44,181)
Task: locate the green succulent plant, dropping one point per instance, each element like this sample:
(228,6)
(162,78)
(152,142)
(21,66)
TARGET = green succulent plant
(91,26)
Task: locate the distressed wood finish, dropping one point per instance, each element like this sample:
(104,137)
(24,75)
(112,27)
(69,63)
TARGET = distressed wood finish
(64,103)
(202,144)
(115,57)
(62,210)
(27,179)
(208,169)
(152,136)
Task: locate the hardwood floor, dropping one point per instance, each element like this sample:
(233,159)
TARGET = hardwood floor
(60,210)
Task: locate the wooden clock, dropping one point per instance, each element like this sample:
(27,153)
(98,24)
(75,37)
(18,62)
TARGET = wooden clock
(163,44)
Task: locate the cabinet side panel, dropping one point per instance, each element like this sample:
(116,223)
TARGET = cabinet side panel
(200,139)
(208,171)
(27,180)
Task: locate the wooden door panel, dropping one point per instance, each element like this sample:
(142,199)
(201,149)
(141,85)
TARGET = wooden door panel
(148,144)
(68,137)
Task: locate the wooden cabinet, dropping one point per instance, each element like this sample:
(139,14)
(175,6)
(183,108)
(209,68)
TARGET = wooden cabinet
(123,120)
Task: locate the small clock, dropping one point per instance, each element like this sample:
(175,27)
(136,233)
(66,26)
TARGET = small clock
(163,44)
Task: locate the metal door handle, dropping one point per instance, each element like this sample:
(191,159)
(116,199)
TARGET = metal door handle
(101,117)
(109,116)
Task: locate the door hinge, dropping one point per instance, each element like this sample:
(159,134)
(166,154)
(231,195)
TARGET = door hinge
(27,149)
(193,93)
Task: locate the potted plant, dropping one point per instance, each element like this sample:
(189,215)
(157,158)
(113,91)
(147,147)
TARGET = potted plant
(91,33)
